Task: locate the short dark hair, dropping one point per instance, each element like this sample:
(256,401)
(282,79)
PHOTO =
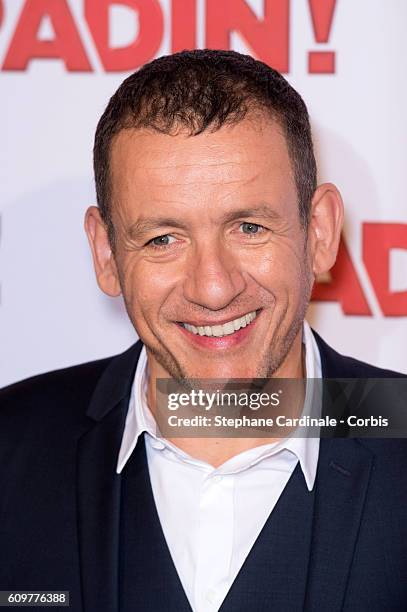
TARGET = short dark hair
(199,90)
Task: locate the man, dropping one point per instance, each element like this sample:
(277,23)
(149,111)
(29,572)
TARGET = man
(212,227)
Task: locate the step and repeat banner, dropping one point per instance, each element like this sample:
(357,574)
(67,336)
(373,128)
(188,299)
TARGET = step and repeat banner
(61,60)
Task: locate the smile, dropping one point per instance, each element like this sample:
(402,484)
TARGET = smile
(226,329)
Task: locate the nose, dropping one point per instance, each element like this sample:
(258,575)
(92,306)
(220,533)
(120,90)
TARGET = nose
(213,278)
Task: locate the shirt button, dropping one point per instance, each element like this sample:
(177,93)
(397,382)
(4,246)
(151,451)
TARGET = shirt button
(216,479)
(210,596)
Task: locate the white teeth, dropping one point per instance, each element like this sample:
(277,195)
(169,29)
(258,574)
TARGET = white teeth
(228,328)
(222,330)
(217,331)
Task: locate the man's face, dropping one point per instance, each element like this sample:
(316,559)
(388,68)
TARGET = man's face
(210,252)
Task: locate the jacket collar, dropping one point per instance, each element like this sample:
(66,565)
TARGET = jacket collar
(115,382)
(99,487)
(344,469)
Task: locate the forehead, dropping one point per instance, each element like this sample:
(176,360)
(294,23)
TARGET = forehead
(247,157)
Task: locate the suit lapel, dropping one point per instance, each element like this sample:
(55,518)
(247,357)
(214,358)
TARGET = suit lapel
(98,485)
(342,482)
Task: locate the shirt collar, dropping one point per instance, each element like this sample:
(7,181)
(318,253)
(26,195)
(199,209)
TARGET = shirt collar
(307,448)
(140,419)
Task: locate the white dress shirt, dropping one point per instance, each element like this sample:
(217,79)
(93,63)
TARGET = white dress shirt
(211,516)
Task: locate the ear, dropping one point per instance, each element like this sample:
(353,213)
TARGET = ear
(325,226)
(103,258)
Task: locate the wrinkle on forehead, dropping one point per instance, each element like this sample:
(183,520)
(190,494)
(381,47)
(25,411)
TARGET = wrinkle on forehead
(215,179)
(228,146)
(148,166)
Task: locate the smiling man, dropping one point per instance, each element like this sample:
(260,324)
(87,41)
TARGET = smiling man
(211,226)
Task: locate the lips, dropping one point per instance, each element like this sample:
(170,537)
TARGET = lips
(223,342)
(225,329)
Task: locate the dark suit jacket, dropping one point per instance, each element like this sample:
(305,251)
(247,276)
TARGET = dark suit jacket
(60,434)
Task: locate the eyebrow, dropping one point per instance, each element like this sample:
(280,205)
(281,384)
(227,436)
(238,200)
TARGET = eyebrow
(263,211)
(143,226)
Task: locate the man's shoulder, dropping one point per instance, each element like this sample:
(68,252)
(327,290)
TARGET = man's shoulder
(43,417)
(336,365)
(64,393)
(389,453)
(73,381)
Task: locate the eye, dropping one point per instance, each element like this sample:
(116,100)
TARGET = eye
(251,228)
(161,241)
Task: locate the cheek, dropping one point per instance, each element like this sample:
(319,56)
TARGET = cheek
(146,287)
(279,268)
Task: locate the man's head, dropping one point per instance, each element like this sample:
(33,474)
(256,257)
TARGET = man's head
(209,212)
